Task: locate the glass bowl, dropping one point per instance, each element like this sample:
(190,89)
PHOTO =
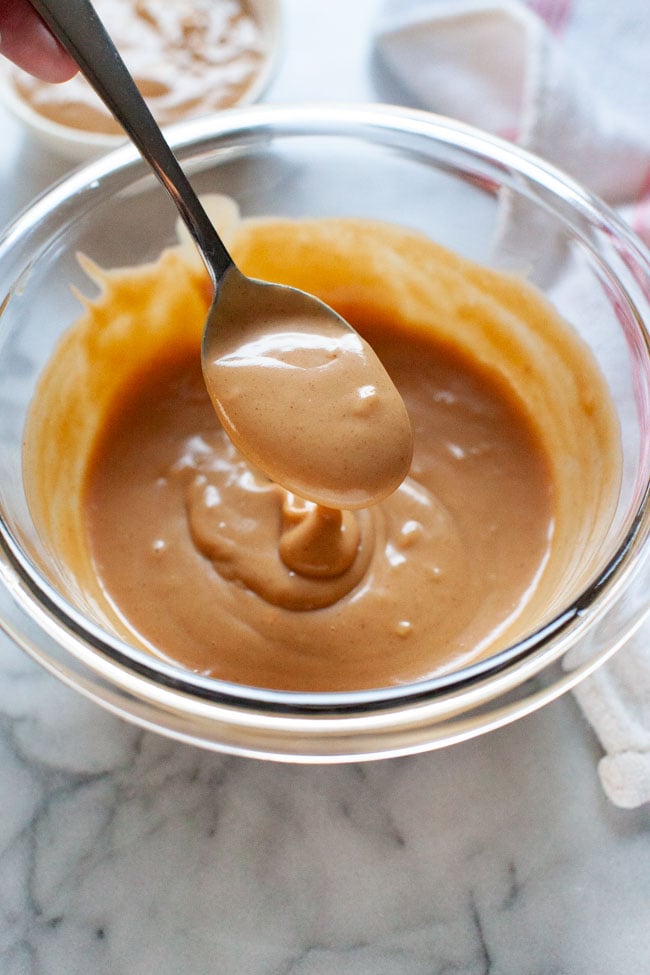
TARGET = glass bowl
(461,188)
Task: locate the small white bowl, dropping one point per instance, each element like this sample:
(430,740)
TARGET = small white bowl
(80,145)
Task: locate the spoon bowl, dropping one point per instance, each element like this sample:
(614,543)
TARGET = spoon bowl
(299,392)
(302,395)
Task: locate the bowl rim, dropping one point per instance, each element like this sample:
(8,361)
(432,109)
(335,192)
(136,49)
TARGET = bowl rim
(500,672)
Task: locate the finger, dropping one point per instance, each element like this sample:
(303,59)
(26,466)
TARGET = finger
(26,41)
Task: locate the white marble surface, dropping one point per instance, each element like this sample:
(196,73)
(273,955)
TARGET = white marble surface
(122,853)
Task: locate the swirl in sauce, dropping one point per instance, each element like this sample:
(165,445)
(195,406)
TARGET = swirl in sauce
(260,587)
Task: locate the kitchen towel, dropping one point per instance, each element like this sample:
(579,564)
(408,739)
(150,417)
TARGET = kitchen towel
(568,80)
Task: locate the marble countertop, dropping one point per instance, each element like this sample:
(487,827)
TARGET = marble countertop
(124,853)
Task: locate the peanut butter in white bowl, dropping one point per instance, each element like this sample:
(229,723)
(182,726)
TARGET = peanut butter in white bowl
(190,58)
(186,550)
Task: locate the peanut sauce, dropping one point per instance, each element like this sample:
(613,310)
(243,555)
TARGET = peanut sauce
(174,541)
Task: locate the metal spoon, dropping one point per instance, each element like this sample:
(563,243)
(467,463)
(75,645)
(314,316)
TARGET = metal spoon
(298,391)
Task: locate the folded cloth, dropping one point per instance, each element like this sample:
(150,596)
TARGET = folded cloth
(616,701)
(498,65)
(567,80)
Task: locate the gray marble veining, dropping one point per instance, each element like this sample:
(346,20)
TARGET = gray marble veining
(125,852)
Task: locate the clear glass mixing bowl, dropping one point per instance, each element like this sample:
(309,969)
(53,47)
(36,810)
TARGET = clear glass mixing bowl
(461,188)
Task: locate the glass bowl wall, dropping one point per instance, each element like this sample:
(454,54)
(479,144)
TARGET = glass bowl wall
(461,188)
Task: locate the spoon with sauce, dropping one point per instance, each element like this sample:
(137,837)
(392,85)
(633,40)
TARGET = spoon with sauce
(297,390)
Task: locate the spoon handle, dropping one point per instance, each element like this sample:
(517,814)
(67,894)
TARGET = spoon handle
(77,26)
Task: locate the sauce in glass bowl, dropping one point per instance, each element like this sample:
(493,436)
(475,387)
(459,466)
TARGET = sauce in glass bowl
(190,553)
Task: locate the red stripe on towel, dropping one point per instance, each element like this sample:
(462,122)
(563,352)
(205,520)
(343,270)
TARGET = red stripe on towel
(554,13)
(641,213)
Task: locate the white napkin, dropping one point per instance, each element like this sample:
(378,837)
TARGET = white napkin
(568,80)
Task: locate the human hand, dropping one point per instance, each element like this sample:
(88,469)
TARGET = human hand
(26,41)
